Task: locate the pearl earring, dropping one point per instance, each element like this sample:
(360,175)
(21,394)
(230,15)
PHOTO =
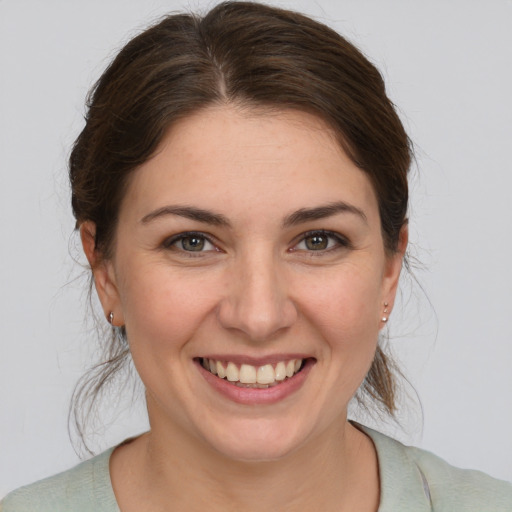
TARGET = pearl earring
(385,318)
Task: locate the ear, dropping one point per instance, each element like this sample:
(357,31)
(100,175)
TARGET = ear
(103,274)
(394,267)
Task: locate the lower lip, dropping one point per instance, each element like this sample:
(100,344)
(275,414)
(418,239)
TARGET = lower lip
(257,396)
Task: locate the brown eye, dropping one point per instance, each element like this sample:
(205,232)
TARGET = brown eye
(317,242)
(192,243)
(189,242)
(322,242)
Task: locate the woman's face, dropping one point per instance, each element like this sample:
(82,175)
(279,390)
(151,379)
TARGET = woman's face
(248,243)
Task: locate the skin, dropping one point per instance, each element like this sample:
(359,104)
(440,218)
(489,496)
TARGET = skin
(257,289)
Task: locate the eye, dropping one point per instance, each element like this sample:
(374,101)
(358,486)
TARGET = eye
(318,241)
(190,242)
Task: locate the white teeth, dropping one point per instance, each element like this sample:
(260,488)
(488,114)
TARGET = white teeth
(266,374)
(232,373)
(247,374)
(221,371)
(280,371)
(290,368)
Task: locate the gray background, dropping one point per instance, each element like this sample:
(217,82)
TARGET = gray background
(448,68)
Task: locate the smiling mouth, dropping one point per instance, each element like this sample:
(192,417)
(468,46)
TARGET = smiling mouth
(249,376)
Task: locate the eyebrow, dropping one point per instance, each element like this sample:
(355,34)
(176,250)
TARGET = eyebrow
(321,212)
(217,219)
(189,212)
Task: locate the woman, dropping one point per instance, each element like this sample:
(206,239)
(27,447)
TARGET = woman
(240,188)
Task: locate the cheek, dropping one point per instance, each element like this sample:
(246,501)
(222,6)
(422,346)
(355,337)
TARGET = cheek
(343,308)
(162,314)
(344,302)
(162,310)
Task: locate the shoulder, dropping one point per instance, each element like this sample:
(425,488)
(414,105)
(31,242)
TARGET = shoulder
(85,487)
(412,475)
(465,489)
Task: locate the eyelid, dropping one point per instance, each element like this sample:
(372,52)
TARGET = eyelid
(169,242)
(341,240)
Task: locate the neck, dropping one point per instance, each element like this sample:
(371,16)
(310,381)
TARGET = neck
(335,471)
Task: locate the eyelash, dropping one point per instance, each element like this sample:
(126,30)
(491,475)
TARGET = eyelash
(340,242)
(169,243)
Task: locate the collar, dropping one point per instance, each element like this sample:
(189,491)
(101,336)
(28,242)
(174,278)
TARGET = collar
(403,486)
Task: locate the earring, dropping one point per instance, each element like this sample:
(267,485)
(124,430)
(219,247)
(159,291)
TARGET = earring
(385,318)
(111,318)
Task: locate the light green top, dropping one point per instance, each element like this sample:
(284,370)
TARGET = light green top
(412,480)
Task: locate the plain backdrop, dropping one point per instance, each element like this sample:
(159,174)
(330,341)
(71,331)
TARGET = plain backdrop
(448,68)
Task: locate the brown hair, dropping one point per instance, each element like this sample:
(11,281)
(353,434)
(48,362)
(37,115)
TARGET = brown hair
(250,54)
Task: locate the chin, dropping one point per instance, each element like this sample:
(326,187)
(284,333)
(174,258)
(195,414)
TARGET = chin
(255,451)
(256,441)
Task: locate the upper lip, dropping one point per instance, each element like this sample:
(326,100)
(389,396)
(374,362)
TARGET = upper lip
(256,361)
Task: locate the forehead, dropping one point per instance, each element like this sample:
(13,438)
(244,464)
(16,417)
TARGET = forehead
(232,159)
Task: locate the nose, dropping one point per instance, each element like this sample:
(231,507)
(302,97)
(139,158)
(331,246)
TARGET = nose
(257,302)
